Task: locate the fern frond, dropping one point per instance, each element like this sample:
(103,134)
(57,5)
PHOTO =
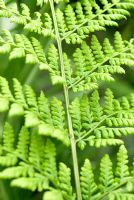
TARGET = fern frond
(36,150)
(8,137)
(109,185)
(102,124)
(99,62)
(119,194)
(48,117)
(31,49)
(53,59)
(37,24)
(49,166)
(122,169)
(97,124)
(36,183)
(88,185)
(86,17)
(65,182)
(23,143)
(106,174)
(31,163)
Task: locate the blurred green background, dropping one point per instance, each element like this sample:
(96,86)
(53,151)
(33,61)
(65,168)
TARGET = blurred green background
(39,80)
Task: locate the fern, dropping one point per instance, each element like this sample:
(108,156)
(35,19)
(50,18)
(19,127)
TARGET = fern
(94,124)
(110,183)
(32,154)
(39,169)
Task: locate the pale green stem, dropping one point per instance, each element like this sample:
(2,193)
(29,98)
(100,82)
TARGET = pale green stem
(66,94)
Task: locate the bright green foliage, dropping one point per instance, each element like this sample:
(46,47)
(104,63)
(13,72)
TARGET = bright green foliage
(99,62)
(93,123)
(92,64)
(75,22)
(88,185)
(35,169)
(31,162)
(48,117)
(65,182)
(28,152)
(110,185)
(101,124)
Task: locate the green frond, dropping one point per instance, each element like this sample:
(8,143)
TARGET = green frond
(31,164)
(99,62)
(88,55)
(65,182)
(101,124)
(4,89)
(36,150)
(79,60)
(48,117)
(48,24)
(97,49)
(30,97)
(76,116)
(75,23)
(95,106)
(54,65)
(23,170)
(49,165)
(122,169)
(40,54)
(31,49)
(58,114)
(44,109)
(88,185)
(103,142)
(61,22)
(109,107)
(21,46)
(68,69)
(8,160)
(23,143)
(33,183)
(93,123)
(18,93)
(106,178)
(8,137)
(86,113)
(52,120)
(108,185)
(120,195)
(28,153)
(23,16)
(125,103)
(85,17)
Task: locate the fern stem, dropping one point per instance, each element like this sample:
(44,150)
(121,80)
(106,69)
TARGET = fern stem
(66,94)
